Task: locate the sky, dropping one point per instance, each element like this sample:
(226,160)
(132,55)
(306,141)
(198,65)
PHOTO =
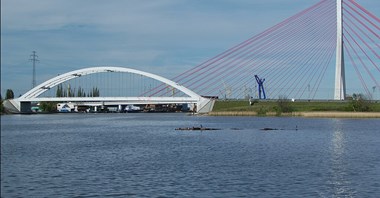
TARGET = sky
(164,37)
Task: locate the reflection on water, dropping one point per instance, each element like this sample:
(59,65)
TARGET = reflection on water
(142,155)
(339,181)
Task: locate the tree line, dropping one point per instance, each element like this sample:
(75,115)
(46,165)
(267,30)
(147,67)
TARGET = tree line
(61,92)
(69,92)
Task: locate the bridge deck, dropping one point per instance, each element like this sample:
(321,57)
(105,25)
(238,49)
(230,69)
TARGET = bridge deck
(115,100)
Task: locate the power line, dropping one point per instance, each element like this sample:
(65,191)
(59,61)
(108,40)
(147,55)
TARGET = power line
(34,59)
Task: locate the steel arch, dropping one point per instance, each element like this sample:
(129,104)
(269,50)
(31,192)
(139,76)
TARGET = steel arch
(41,88)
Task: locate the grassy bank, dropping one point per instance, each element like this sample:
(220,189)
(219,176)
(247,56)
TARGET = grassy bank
(321,114)
(298,108)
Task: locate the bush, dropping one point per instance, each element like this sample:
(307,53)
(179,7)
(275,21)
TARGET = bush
(262,111)
(283,105)
(1,107)
(48,106)
(359,102)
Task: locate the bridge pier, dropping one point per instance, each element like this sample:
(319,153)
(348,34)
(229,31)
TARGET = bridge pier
(25,107)
(16,106)
(205,105)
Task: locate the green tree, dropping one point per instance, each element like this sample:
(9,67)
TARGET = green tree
(9,94)
(283,105)
(48,106)
(94,92)
(59,91)
(70,92)
(81,92)
(359,103)
(1,105)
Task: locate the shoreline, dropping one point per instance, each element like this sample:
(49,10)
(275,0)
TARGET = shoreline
(321,114)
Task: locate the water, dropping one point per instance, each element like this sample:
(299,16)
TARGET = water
(141,155)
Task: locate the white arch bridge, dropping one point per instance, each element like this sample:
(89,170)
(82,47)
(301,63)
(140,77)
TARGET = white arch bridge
(23,103)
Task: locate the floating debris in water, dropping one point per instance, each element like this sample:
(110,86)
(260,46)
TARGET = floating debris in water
(275,129)
(196,129)
(268,129)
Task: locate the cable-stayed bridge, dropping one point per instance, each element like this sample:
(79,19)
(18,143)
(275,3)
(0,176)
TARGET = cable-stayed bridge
(300,58)
(297,56)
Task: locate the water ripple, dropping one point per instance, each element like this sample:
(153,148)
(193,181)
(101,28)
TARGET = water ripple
(121,155)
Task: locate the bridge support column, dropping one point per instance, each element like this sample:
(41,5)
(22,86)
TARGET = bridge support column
(12,106)
(16,106)
(25,107)
(205,105)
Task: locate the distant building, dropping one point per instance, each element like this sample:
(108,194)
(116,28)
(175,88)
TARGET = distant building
(66,107)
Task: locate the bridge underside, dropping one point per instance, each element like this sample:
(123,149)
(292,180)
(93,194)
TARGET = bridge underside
(204,105)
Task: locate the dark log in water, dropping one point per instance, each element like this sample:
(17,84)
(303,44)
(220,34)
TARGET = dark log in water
(196,129)
(268,129)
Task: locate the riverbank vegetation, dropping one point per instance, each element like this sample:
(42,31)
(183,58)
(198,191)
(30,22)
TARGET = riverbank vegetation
(8,95)
(48,107)
(1,105)
(284,106)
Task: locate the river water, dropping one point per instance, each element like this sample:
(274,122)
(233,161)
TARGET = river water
(142,155)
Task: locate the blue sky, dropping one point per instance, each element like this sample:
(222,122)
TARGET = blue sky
(165,37)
